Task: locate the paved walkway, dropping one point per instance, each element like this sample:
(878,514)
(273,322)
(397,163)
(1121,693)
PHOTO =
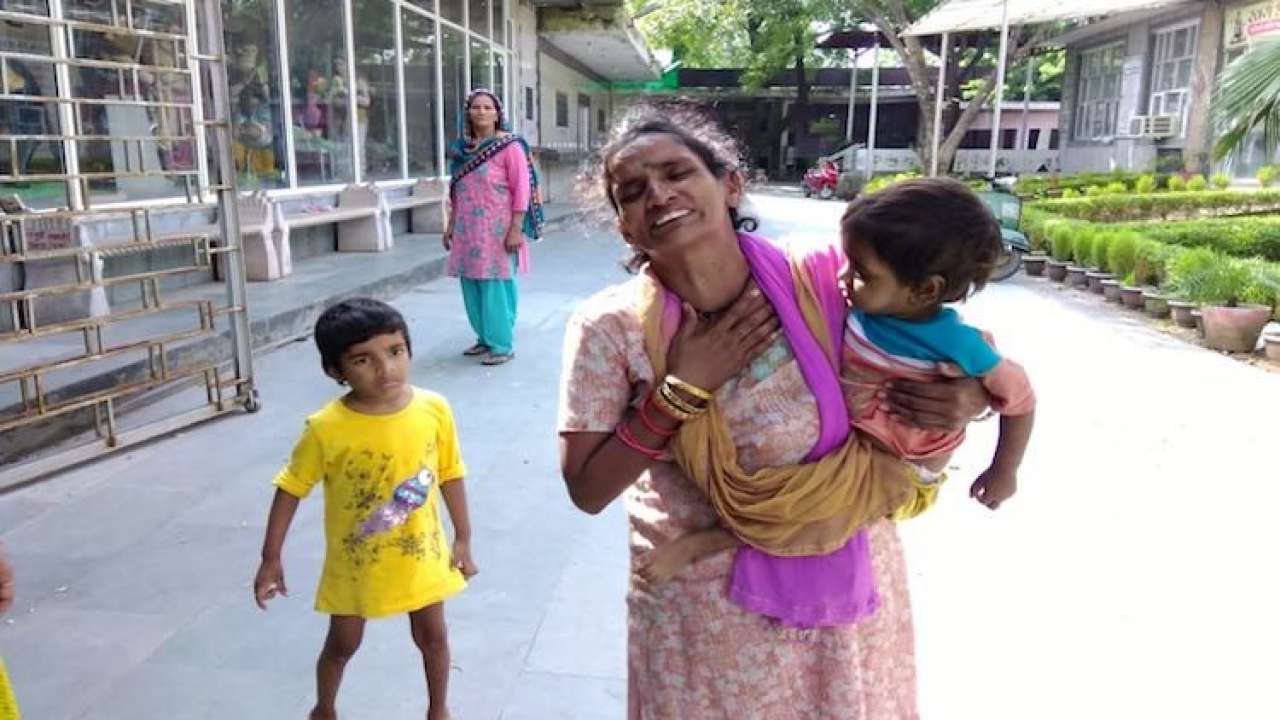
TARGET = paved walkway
(1127,580)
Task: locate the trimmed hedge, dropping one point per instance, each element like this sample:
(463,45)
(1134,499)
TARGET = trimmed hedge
(1241,237)
(1163,206)
(1044,186)
(1136,253)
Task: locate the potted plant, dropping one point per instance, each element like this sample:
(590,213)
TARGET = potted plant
(1034,264)
(1223,285)
(1156,303)
(1182,311)
(1081,246)
(1121,255)
(1061,238)
(1272,343)
(1097,259)
(1131,292)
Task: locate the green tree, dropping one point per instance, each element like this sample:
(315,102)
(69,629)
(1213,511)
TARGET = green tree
(1247,99)
(768,36)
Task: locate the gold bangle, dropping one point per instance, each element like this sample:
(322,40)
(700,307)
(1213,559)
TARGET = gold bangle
(666,407)
(688,388)
(678,402)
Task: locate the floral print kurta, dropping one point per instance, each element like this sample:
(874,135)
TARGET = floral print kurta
(483,201)
(692,653)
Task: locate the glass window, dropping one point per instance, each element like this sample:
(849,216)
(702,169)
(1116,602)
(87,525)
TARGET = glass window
(1033,139)
(30,7)
(1098,100)
(478,20)
(502,34)
(1172,58)
(562,110)
(377,94)
(528,103)
(319,91)
(1053,139)
(257,110)
(452,10)
(480,65)
(1008,139)
(147,145)
(500,78)
(420,93)
(453,57)
(24,161)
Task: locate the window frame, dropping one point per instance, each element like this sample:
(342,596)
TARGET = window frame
(1159,96)
(1097,106)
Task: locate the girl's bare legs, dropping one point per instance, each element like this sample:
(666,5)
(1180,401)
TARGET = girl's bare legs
(345,633)
(432,638)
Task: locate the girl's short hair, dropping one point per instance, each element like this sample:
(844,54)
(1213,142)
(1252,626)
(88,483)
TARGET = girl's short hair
(926,227)
(352,322)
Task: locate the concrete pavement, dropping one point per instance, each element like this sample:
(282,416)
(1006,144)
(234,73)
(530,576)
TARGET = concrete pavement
(1126,580)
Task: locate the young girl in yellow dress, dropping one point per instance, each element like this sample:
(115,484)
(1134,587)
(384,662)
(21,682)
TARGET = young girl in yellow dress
(384,451)
(8,705)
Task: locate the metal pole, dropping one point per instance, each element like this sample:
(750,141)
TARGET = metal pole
(875,100)
(853,94)
(999,97)
(1026,104)
(228,205)
(402,99)
(939,97)
(353,90)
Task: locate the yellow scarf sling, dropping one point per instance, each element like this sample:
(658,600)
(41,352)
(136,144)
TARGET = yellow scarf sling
(789,510)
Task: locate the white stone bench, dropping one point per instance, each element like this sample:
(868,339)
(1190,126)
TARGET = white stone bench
(425,203)
(360,214)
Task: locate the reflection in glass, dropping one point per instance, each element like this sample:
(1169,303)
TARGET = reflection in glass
(480,65)
(420,93)
(377,94)
(478,20)
(500,81)
(23,161)
(453,54)
(30,7)
(500,22)
(319,91)
(452,10)
(253,78)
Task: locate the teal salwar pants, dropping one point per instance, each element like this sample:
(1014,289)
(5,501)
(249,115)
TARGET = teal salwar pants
(491,308)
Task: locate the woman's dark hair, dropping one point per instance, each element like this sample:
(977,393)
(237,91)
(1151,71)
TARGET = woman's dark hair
(352,322)
(688,122)
(926,227)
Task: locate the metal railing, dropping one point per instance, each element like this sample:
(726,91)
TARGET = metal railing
(101,316)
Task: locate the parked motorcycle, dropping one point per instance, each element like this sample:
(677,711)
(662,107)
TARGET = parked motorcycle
(822,180)
(1007,209)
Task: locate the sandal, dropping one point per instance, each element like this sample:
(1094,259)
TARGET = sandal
(477,349)
(498,358)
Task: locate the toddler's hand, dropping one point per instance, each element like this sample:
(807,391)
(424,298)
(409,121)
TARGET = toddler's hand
(462,558)
(269,583)
(994,487)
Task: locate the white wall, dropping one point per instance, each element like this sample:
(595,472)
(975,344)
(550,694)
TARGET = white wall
(558,77)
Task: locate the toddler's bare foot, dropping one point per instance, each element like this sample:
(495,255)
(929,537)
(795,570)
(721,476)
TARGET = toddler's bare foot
(319,714)
(662,563)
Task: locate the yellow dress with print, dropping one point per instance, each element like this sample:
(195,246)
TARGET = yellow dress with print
(385,546)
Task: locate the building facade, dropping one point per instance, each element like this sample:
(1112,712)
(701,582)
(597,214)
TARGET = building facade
(1138,86)
(323,93)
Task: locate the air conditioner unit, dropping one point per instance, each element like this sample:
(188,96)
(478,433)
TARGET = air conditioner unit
(1153,126)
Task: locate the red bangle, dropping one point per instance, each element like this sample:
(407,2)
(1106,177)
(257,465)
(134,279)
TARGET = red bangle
(626,438)
(649,424)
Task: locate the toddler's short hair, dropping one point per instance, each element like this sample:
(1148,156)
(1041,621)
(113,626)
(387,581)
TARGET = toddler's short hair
(352,322)
(926,227)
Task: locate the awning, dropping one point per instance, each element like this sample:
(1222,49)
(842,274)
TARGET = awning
(602,38)
(961,15)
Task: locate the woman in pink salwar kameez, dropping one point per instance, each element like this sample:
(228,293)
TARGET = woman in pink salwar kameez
(671,176)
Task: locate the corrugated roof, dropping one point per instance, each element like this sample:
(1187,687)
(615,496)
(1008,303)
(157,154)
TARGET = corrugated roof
(961,15)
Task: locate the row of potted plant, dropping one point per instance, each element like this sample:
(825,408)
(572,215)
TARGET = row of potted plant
(1229,299)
